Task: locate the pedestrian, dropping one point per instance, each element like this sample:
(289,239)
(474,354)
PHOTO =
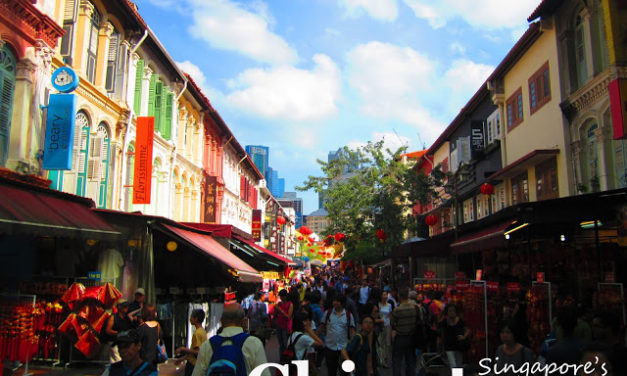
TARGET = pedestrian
(351,306)
(136,306)
(150,334)
(115,324)
(196,318)
(132,364)
(283,311)
(252,350)
(364,294)
(453,336)
(258,317)
(338,325)
(385,338)
(511,351)
(360,349)
(403,322)
(305,340)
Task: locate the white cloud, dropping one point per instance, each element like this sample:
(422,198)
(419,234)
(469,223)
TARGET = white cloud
(389,80)
(194,71)
(391,141)
(488,14)
(467,75)
(288,92)
(457,48)
(226,25)
(384,10)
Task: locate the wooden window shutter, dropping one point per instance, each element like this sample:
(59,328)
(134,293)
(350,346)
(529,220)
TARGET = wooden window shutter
(138,86)
(112,57)
(157,106)
(151,95)
(6,110)
(167,133)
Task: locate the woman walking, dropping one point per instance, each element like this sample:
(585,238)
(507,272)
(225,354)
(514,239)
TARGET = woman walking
(385,338)
(283,311)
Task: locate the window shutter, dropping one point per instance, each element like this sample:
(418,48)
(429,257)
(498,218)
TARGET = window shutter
(463,143)
(157,103)
(112,56)
(138,86)
(69,12)
(96,147)
(151,95)
(163,108)
(6,104)
(454,163)
(167,133)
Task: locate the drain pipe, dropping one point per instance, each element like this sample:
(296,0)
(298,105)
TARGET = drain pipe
(130,118)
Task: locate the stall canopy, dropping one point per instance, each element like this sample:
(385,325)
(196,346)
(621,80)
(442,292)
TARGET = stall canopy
(277,257)
(491,237)
(211,247)
(37,210)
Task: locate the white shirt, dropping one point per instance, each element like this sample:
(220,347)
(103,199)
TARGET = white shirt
(254,353)
(303,344)
(363,294)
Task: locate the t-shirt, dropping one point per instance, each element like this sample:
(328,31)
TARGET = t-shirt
(149,337)
(450,333)
(524,355)
(359,354)
(281,320)
(404,319)
(364,292)
(301,346)
(199,337)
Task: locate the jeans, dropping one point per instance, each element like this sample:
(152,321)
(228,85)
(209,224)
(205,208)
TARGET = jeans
(333,359)
(403,346)
(282,334)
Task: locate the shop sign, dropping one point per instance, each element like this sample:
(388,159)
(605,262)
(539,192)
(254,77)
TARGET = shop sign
(142,176)
(610,277)
(94,276)
(513,286)
(492,286)
(59,138)
(211,183)
(462,284)
(476,137)
(460,275)
(618,105)
(429,274)
(270,275)
(256,225)
(540,277)
(478,274)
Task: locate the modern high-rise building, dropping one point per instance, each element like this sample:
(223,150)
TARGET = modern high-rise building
(259,155)
(275,184)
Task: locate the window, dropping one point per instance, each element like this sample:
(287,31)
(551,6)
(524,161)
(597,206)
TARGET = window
(469,212)
(92,46)
(139,76)
(483,206)
(580,51)
(590,158)
(112,60)
(7,88)
(546,180)
(69,18)
(81,148)
(539,88)
(520,189)
(493,128)
(98,165)
(514,107)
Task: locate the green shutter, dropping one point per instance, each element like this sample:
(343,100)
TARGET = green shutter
(163,109)
(138,86)
(168,116)
(151,95)
(158,109)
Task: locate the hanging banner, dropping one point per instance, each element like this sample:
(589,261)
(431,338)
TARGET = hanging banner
(618,106)
(256,225)
(59,140)
(211,188)
(142,176)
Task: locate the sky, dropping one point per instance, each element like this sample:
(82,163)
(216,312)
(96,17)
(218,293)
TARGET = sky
(306,77)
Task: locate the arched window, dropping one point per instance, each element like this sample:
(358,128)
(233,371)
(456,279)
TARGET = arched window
(590,160)
(92,45)
(130,167)
(7,88)
(98,166)
(81,148)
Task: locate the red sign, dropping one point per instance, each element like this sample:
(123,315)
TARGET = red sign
(513,286)
(256,226)
(142,175)
(429,274)
(211,183)
(540,277)
(618,105)
(478,275)
(462,284)
(492,286)
(460,275)
(610,277)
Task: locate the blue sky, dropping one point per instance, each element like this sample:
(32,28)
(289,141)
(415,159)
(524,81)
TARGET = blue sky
(306,77)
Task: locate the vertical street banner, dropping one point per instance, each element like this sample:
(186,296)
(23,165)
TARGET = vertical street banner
(618,107)
(142,175)
(256,226)
(476,138)
(209,206)
(59,139)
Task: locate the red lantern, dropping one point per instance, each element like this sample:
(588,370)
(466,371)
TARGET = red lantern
(431,220)
(280,220)
(381,235)
(305,230)
(300,238)
(487,189)
(311,239)
(339,237)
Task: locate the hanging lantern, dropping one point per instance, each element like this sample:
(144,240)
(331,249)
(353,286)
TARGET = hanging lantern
(381,235)
(280,220)
(300,238)
(339,237)
(431,220)
(305,231)
(487,189)
(311,239)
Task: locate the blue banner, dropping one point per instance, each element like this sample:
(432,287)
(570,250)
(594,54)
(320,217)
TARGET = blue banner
(60,132)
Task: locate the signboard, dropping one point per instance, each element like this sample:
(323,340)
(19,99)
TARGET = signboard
(429,274)
(256,225)
(478,274)
(65,80)
(610,277)
(270,275)
(513,286)
(211,183)
(476,137)
(492,286)
(618,107)
(142,176)
(540,277)
(96,275)
(59,140)
(460,275)
(462,284)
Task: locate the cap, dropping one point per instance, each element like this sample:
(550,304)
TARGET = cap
(140,291)
(121,302)
(127,336)
(413,295)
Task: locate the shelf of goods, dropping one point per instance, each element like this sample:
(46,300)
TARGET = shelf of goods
(539,314)
(611,298)
(18,341)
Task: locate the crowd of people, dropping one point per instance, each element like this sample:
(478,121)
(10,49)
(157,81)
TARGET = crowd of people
(328,318)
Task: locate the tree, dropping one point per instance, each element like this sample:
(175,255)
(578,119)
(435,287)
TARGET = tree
(369,189)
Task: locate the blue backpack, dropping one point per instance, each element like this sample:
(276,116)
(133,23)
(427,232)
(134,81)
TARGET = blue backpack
(227,360)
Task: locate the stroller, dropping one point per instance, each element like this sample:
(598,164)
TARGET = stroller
(434,364)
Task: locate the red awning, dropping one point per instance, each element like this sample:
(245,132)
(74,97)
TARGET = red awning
(214,249)
(491,237)
(44,211)
(251,243)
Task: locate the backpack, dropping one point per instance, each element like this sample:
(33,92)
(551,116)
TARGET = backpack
(227,360)
(289,354)
(356,350)
(348,321)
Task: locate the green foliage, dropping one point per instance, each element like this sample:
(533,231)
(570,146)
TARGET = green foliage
(369,189)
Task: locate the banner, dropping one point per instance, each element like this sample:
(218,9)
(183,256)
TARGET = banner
(59,140)
(211,189)
(618,106)
(256,225)
(142,176)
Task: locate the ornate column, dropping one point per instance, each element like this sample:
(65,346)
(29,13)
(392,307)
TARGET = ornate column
(20,142)
(104,39)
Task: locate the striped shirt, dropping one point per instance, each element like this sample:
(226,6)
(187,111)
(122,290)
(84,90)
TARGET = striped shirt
(404,319)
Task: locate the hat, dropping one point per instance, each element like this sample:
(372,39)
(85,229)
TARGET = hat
(140,291)
(413,295)
(121,302)
(127,336)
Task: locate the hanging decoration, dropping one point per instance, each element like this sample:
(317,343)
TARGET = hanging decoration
(300,238)
(339,237)
(280,220)
(381,235)
(487,189)
(431,220)
(306,231)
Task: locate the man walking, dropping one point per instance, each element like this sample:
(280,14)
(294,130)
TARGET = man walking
(339,326)
(403,328)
